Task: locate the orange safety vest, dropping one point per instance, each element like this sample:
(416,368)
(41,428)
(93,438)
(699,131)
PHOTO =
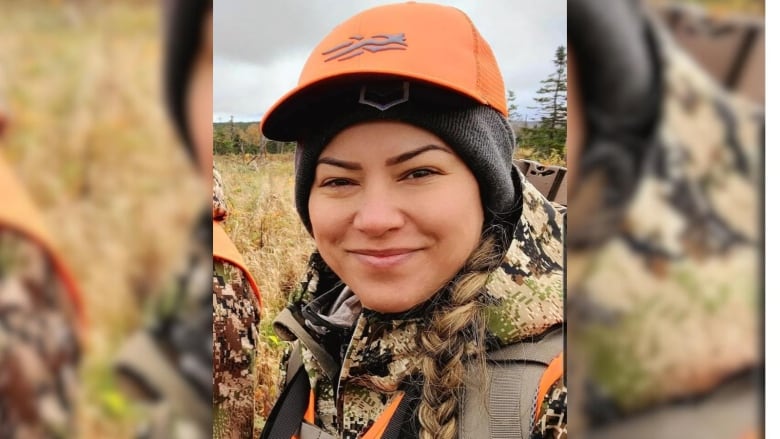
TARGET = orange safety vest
(18,213)
(225,250)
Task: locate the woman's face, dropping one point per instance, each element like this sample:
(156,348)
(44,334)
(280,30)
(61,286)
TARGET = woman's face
(395,213)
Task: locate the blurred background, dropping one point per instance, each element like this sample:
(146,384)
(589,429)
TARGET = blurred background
(88,136)
(665,250)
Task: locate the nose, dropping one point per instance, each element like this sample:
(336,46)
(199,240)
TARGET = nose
(378,213)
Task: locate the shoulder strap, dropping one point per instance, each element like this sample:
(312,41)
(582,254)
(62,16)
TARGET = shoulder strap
(505,403)
(286,416)
(289,329)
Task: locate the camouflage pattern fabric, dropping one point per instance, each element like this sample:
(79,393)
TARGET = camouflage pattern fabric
(236,318)
(528,290)
(552,419)
(39,347)
(219,209)
(670,302)
(381,354)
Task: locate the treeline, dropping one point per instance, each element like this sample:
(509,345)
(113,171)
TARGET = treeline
(245,138)
(534,140)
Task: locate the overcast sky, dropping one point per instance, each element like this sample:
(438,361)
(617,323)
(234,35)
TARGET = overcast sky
(260,46)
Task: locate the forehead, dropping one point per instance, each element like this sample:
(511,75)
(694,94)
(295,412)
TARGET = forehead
(376,137)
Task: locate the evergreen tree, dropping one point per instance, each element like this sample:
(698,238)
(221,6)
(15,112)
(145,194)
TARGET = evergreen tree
(550,135)
(512,106)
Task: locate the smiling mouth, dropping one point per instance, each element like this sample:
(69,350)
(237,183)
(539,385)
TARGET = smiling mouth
(385,258)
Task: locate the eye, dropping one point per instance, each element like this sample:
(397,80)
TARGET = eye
(336,182)
(420,173)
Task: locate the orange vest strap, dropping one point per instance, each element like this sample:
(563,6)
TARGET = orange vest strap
(224,249)
(19,214)
(552,374)
(309,415)
(377,430)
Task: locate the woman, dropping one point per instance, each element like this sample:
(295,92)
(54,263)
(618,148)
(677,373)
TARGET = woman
(404,178)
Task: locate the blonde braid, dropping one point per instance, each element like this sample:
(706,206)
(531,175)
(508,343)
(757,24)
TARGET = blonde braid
(455,327)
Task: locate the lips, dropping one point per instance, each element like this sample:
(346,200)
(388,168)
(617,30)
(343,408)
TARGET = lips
(384,258)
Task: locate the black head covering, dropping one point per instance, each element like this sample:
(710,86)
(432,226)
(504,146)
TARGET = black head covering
(183,28)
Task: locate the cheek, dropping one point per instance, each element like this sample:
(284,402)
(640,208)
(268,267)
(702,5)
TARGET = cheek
(328,222)
(460,211)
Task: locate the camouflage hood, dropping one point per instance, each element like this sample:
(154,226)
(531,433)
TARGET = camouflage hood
(372,355)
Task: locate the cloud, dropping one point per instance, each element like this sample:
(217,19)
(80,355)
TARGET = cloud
(260,47)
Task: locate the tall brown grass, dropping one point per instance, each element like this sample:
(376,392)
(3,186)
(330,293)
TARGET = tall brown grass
(266,229)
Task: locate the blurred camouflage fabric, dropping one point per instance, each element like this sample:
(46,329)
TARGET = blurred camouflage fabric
(39,348)
(41,326)
(665,288)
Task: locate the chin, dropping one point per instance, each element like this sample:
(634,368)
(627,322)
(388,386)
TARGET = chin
(379,302)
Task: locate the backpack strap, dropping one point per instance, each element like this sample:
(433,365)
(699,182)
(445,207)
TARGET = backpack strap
(506,403)
(287,415)
(288,328)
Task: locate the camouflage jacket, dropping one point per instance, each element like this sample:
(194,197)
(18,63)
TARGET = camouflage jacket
(236,317)
(40,327)
(379,352)
(667,308)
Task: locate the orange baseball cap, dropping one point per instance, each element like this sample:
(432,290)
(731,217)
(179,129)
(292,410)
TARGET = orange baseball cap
(433,44)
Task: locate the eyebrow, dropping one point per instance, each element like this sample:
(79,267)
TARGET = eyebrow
(414,153)
(353,166)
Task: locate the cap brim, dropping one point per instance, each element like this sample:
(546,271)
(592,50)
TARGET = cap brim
(288,118)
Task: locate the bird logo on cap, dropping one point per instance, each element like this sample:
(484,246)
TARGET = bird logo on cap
(357,45)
